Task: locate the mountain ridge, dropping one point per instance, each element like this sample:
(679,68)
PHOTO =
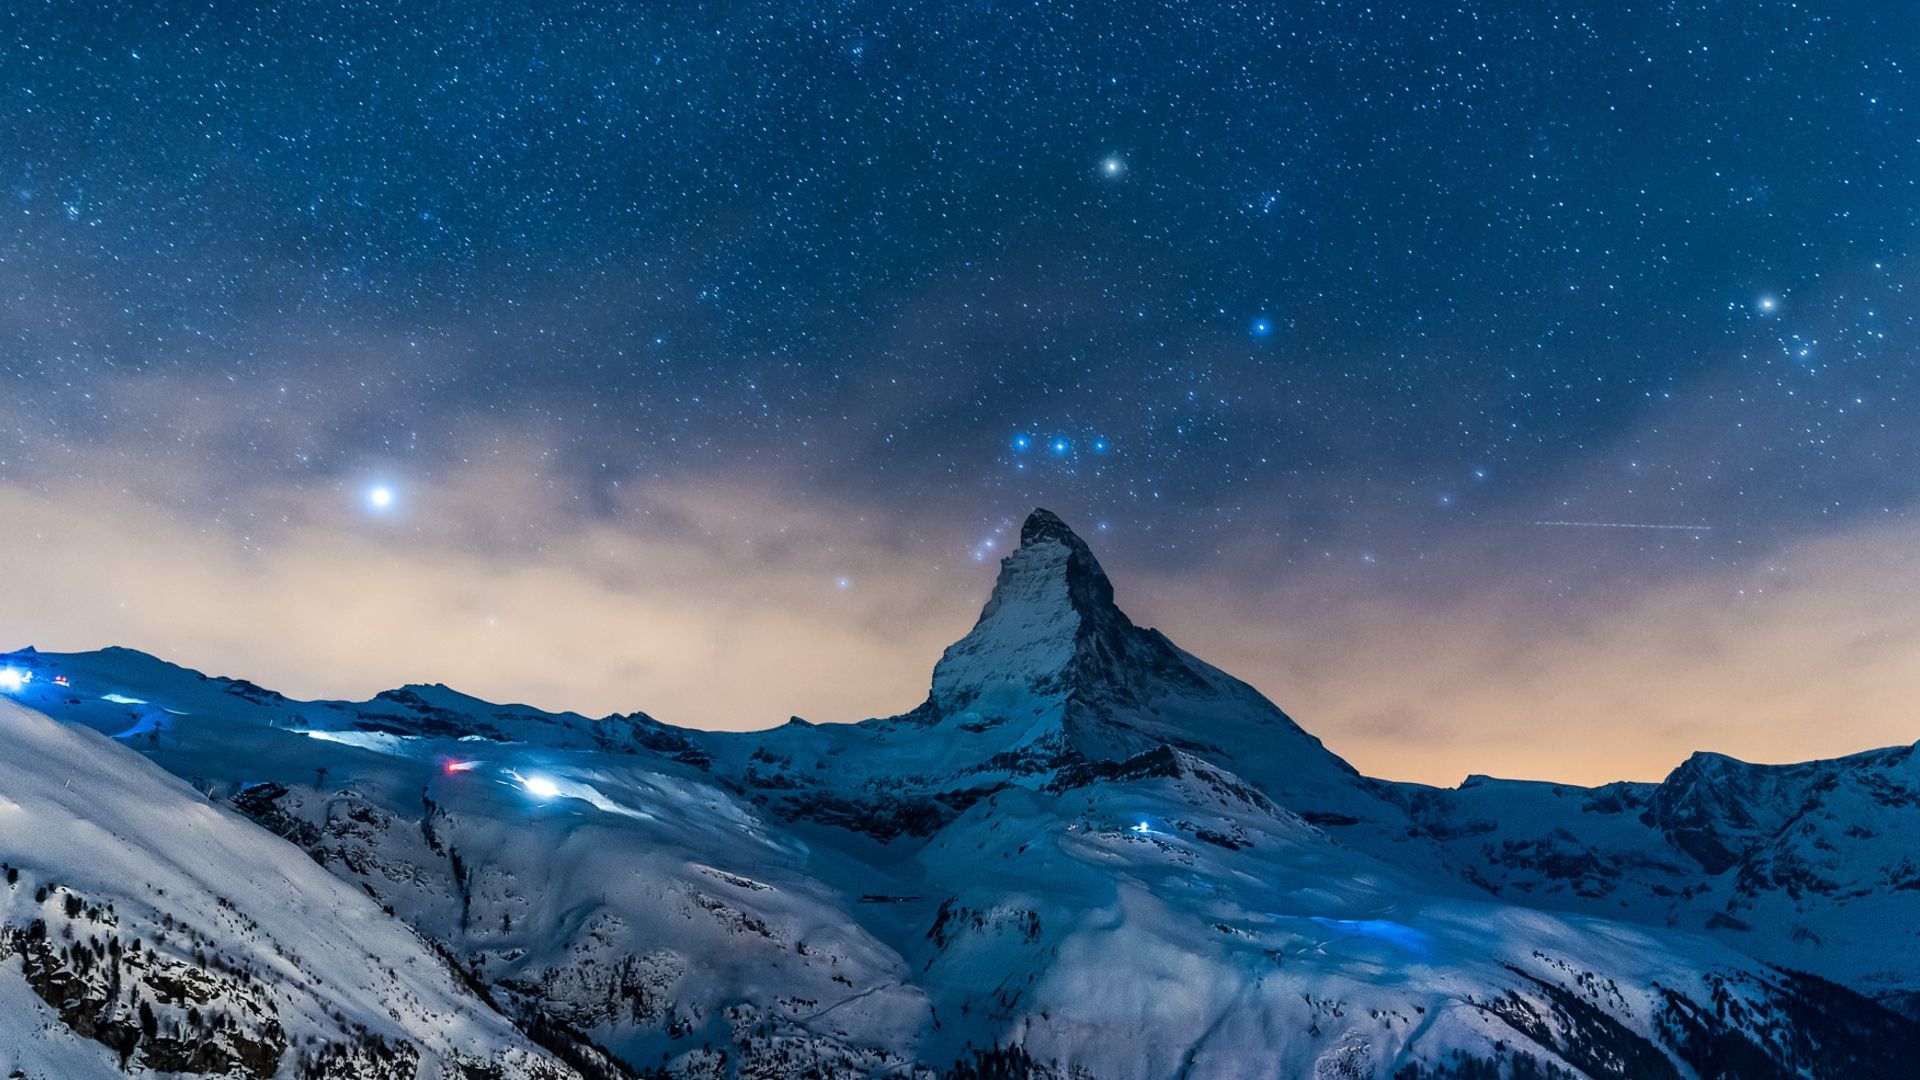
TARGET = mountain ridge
(906,894)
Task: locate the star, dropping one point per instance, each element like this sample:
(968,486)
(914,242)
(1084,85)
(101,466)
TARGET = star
(1113,168)
(1262,326)
(1767,304)
(380,497)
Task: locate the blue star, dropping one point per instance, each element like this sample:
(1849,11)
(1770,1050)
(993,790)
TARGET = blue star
(1262,326)
(1061,446)
(1099,446)
(1021,442)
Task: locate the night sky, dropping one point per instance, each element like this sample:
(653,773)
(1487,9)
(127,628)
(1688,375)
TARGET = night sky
(704,359)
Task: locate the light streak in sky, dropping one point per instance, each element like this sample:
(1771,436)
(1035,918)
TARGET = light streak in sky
(1625,525)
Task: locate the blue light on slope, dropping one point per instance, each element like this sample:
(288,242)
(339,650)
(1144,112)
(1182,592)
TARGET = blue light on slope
(1399,935)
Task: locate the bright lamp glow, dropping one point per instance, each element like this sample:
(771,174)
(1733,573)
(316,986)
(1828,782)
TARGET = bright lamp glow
(13,679)
(541,787)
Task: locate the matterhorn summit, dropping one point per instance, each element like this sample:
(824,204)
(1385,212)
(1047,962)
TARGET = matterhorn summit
(1051,628)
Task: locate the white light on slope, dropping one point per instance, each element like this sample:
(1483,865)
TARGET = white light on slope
(379,742)
(13,680)
(546,788)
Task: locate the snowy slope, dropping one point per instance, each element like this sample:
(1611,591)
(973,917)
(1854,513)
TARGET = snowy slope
(665,918)
(181,938)
(1087,850)
(623,894)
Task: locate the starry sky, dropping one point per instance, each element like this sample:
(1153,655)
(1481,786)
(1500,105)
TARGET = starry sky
(704,360)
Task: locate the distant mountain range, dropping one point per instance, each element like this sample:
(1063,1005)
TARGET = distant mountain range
(1087,854)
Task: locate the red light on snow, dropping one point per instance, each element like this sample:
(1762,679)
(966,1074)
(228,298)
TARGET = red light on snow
(459,766)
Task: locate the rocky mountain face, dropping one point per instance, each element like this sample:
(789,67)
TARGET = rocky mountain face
(1086,854)
(1809,866)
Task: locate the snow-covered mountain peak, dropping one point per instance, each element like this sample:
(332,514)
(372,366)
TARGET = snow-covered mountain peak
(1049,627)
(1053,560)
(1058,673)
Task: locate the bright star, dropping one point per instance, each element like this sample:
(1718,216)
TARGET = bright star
(1061,446)
(1099,446)
(1767,304)
(1262,326)
(380,497)
(1022,442)
(1113,168)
